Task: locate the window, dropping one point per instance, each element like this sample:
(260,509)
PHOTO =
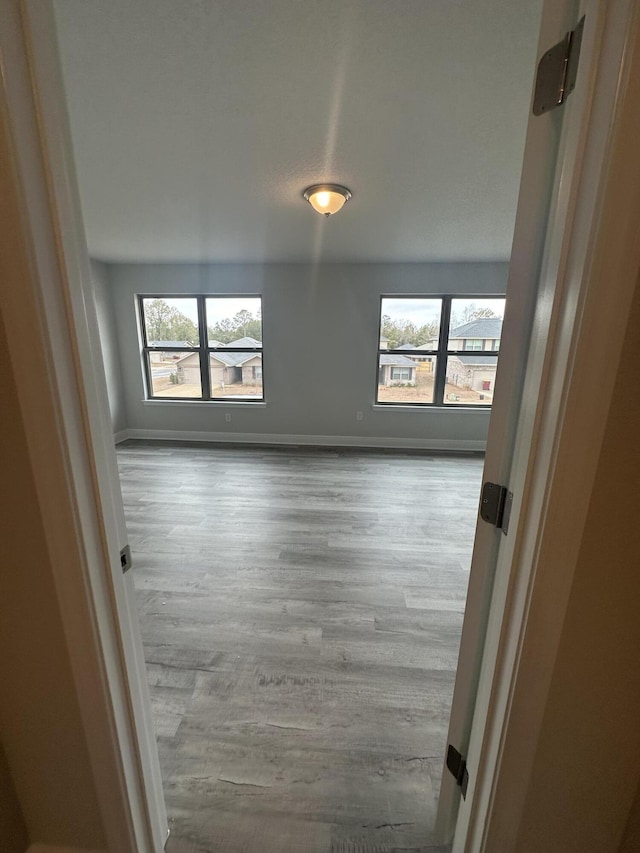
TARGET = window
(438,351)
(202,347)
(401,373)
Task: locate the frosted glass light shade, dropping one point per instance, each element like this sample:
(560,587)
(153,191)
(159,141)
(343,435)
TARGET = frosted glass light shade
(327,198)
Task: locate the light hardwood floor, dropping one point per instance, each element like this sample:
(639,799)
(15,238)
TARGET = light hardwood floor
(301,612)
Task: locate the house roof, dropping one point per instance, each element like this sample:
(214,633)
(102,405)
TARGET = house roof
(486,327)
(477,359)
(242,342)
(233,359)
(397,360)
(406,346)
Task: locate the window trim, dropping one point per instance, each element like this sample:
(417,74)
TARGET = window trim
(441,353)
(203,349)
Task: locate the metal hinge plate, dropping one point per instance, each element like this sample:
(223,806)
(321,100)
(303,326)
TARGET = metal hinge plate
(492,504)
(557,72)
(457,766)
(125,559)
(495,506)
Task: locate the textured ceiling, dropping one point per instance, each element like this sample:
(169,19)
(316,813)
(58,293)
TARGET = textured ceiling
(197,125)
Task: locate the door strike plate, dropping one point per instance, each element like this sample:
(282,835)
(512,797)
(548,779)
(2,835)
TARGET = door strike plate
(457,766)
(125,558)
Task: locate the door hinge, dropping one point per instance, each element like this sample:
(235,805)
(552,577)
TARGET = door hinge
(557,72)
(495,506)
(125,558)
(457,766)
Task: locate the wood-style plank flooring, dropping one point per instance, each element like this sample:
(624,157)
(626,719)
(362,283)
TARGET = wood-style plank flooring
(301,612)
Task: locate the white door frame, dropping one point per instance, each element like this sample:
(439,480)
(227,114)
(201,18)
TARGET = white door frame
(544,159)
(50,320)
(590,271)
(49,316)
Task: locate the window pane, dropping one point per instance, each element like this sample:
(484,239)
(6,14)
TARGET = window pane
(470,380)
(235,375)
(175,374)
(476,324)
(402,379)
(234,321)
(171,322)
(409,323)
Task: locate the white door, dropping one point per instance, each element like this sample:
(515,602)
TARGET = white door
(551,173)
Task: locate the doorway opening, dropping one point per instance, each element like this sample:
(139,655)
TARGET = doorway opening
(55,282)
(197,279)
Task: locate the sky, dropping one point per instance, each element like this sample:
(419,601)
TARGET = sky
(220,309)
(423,311)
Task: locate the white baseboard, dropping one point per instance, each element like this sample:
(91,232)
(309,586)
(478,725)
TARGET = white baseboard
(123,435)
(442,444)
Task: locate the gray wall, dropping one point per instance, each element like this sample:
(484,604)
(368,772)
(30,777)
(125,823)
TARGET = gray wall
(109,344)
(320,329)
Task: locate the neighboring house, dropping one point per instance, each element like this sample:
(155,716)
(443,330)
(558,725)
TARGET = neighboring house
(168,355)
(474,336)
(396,370)
(474,372)
(415,354)
(227,368)
(477,335)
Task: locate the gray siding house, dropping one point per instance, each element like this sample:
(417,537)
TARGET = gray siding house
(396,370)
(226,368)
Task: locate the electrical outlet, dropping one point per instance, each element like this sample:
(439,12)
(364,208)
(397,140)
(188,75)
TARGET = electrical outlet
(358,416)
(227,418)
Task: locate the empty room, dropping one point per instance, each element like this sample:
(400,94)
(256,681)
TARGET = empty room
(300,219)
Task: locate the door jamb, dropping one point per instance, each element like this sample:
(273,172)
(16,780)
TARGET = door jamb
(538,190)
(45,314)
(598,259)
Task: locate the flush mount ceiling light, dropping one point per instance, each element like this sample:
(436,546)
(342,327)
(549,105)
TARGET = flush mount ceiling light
(327,198)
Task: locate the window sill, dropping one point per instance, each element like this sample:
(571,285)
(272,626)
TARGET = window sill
(408,408)
(215,403)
